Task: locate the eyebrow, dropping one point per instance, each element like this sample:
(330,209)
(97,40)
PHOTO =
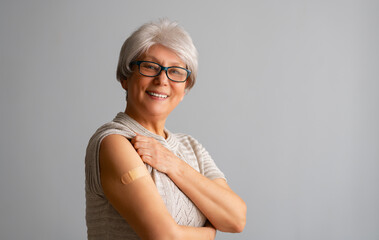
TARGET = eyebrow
(175,64)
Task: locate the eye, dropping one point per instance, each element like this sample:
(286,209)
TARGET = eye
(177,71)
(150,66)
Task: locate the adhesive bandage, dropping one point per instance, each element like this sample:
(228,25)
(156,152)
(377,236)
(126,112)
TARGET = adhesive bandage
(134,174)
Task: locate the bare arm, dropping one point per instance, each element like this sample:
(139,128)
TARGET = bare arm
(139,201)
(222,207)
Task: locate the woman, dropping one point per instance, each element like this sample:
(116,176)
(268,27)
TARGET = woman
(142,181)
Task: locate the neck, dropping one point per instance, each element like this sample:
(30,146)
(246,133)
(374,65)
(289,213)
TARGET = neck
(154,124)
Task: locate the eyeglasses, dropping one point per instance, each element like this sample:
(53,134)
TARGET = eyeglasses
(152,69)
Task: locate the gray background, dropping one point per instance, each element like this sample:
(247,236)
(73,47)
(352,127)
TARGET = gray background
(286,102)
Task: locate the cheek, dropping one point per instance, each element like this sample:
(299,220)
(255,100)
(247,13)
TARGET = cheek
(180,91)
(137,85)
(184,93)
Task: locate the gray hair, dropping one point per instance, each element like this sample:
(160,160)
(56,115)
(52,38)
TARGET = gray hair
(166,33)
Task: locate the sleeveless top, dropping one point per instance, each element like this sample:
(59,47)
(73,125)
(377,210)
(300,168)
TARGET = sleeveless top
(103,221)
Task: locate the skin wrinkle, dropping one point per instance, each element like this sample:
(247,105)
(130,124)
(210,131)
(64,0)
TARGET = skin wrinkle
(171,180)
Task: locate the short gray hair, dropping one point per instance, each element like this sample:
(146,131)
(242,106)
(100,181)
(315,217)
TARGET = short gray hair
(166,33)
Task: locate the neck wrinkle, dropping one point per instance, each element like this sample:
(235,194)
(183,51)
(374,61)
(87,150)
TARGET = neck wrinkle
(155,127)
(169,142)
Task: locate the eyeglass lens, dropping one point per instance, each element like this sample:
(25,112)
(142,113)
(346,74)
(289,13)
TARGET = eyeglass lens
(152,69)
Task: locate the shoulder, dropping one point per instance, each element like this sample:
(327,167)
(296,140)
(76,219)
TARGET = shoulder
(189,142)
(116,155)
(112,128)
(115,146)
(185,138)
(111,132)
(109,141)
(114,141)
(109,129)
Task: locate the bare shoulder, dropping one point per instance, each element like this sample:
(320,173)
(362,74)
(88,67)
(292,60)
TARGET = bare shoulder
(118,154)
(114,141)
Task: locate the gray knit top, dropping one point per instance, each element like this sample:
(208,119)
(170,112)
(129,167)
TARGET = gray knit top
(103,221)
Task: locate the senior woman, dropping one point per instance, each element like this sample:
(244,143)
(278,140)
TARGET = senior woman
(142,181)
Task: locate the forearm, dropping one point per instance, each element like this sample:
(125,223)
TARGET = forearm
(200,233)
(138,201)
(222,207)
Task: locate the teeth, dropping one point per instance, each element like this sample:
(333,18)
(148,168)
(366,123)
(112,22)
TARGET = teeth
(157,95)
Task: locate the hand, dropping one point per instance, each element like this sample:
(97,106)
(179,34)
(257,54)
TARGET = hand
(154,153)
(211,227)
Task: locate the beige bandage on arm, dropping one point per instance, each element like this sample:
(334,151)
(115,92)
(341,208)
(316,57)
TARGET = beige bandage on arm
(134,174)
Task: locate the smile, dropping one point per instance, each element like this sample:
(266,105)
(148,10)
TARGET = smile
(157,94)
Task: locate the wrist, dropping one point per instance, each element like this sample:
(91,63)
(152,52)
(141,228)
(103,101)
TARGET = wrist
(212,230)
(176,167)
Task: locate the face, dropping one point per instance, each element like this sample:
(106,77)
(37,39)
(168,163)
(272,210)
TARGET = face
(154,96)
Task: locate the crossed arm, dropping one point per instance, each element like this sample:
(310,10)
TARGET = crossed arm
(140,203)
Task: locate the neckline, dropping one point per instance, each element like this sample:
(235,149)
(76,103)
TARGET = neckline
(136,127)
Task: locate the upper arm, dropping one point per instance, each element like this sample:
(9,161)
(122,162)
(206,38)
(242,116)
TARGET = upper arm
(139,201)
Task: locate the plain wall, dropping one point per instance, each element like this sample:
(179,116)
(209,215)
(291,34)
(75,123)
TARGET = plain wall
(286,102)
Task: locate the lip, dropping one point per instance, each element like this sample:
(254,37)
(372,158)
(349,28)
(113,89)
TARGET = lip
(157,92)
(161,93)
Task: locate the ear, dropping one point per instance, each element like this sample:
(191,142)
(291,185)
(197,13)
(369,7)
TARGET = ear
(124,84)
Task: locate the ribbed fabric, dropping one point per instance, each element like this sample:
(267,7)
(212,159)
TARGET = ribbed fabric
(103,221)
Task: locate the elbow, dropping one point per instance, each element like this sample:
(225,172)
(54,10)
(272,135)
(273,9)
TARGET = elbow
(240,218)
(239,223)
(239,226)
(236,222)
(235,225)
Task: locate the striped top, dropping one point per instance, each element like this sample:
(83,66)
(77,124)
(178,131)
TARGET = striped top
(103,221)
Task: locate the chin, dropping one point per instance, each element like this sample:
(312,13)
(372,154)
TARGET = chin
(157,112)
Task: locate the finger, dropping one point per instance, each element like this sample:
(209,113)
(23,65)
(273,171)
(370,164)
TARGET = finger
(133,140)
(141,138)
(138,145)
(144,152)
(137,138)
(146,159)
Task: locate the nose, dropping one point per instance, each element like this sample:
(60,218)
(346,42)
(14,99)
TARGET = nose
(162,78)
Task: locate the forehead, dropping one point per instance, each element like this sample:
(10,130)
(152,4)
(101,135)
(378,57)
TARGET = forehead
(163,55)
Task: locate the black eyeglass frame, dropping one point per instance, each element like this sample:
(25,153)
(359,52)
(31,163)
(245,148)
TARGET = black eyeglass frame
(138,63)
